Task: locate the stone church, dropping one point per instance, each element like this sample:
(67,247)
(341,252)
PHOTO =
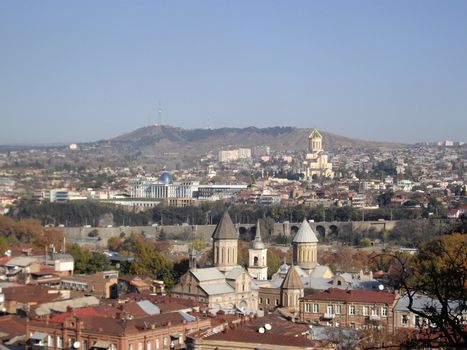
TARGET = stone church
(229,287)
(226,286)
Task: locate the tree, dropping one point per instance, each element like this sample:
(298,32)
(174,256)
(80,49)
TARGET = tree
(81,257)
(3,245)
(439,271)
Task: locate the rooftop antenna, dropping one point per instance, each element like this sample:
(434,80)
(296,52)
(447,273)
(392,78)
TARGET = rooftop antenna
(159,114)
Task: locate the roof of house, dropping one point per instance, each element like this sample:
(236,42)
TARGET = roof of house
(61,306)
(11,326)
(335,294)
(21,261)
(292,280)
(32,294)
(249,336)
(225,229)
(305,234)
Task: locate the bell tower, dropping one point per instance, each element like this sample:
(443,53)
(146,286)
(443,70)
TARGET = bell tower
(257,257)
(225,244)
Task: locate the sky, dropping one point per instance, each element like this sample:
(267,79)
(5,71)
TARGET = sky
(78,71)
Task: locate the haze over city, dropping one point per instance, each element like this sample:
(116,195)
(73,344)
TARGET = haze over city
(387,71)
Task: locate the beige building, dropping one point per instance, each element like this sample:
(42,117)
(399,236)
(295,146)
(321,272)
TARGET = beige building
(226,286)
(317,162)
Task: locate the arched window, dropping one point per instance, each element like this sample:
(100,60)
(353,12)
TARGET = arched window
(255,261)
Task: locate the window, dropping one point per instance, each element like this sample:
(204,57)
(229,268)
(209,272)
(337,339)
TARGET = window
(164,341)
(59,342)
(276,302)
(329,310)
(374,311)
(157,344)
(260,300)
(113,346)
(384,311)
(85,344)
(352,310)
(366,310)
(307,307)
(315,308)
(130,346)
(416,321)
(267,301)
(338,309)
(50,341)
(148,345)
(405,320)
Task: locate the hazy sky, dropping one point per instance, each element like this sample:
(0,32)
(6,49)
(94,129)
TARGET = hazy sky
(74,71)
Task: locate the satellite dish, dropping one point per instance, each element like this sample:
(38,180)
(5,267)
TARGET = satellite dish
(268,326)
(381,287)
(76,344)
(261,330)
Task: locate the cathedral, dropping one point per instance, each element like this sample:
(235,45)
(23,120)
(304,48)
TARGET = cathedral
(230,287)
(226,286)
(316,162)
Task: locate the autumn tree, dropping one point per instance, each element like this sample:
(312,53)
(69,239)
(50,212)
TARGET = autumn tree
(439,271)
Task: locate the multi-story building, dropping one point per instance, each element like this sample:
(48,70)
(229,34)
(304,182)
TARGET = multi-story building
(101,284)
(92,330)
(234,155)
(360,309)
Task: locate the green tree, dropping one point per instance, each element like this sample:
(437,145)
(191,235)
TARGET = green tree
(81,257)
(98,262)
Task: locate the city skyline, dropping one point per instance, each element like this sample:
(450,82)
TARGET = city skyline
(385,71)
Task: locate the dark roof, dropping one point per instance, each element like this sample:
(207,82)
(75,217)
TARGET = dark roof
(225,229)
(292,280)
(359,296)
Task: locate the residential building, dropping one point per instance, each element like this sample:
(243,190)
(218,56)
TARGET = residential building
(360,309)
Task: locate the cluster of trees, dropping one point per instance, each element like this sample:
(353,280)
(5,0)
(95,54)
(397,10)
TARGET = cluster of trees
(88,212)
(77,213)
(29,232)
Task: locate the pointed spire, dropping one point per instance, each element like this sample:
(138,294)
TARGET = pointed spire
(305,234)
(225,229)
(292,279)
(258,243)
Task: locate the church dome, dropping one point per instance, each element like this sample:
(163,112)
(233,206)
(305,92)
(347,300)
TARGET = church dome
(165,178)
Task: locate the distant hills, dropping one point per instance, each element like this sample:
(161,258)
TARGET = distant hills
(177,147)
(282,139)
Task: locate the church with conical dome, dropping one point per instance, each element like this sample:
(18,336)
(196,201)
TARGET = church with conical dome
(230,287)
(225,286)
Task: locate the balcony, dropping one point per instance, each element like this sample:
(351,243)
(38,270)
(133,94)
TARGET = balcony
(374,317)
(327,316)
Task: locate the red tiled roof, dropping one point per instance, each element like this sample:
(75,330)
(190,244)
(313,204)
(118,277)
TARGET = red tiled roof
(32,294)
(12,326)
(248,336)
(4,260)
(101,311)
(362,296)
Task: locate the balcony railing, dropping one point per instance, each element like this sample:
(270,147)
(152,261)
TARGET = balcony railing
(328,316)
